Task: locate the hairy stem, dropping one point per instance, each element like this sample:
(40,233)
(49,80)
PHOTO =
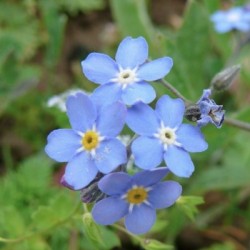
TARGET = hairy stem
(229,121)
(170,87)
(238,124)
(119,227)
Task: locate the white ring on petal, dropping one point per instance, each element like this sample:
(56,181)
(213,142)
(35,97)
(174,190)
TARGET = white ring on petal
(167,136)
(126,77)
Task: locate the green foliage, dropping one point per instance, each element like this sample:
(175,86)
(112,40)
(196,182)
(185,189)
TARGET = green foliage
(229,174)
(190,51)
(23,36)
(35,212)
(226,246)
(133,20)
(156,245)
(188,204)
(79,5)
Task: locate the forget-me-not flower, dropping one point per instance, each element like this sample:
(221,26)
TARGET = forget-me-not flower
(237,18)
(163,136)
(210,111)
(136,198)
(125,78)
(90,146)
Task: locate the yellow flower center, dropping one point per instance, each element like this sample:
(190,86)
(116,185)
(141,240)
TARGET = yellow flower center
(90,140)
(137,195)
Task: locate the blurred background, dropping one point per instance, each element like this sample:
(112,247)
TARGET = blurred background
(41,46)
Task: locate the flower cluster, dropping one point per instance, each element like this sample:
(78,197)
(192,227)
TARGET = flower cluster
(236,18)
(97,159)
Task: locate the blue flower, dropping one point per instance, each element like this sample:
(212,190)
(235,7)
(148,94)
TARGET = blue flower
(90,146)
(210,111)
(136,198)
(163,136)
(235,18)
(125,77)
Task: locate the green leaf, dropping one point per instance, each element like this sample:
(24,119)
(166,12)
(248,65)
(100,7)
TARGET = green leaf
(11,222)
(92,229)
(111,239)
(35,172)
(75,6)
(44,217)
(57,211)
(55,25)
(190,52)
(129,17)
(151,244)
(212,5)
(188,204)
(232,172)
(37,243)
(224,246)
(63,203)
(28,184)
(100,236)
(133,20)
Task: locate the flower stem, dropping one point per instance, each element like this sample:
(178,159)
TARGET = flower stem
(119,227)
(238,124)
(229,121)
(170,87)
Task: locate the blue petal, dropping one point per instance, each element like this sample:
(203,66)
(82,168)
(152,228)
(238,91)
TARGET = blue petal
(149,178)
(115,183)
(191,138)
(142,119)
(111,119)
(80,171)
(148,152)
(136,92)
(164,194)
(106,94)
(132,52)
(223,27)
(109,210)
(204,121)
(179,161)
(99,68)
(218,16)
(110,155)
(62,144)
(81,112)
(141,219)
(156,69)
(170,111)
(242,25)
(205,96)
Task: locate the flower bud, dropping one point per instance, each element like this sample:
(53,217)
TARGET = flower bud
(91,193)
(193,113)
(223,79)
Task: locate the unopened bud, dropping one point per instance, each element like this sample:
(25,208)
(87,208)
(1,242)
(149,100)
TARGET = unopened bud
(91,193)
(91,229)
(193,113)
(223,79)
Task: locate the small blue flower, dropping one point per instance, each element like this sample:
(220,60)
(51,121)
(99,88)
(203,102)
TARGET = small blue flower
(136,198)
(163,136)
(125,78)
(90,146)
(210,111)
(235,18)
